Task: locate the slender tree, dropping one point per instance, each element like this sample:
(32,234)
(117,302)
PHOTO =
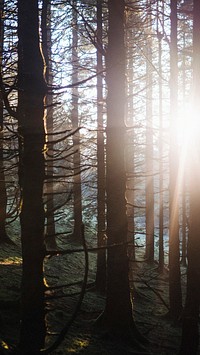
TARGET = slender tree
(75,124)
(160,84)
(117,317)
(46,49)
(3,195)
(31,93)
(149,145)
(130,149)
(190,337)
(175,294)
(101,256)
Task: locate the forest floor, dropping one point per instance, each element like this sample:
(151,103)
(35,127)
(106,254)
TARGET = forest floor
(150,299)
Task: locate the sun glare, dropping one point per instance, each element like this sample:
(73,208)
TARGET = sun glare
(188,137)
(188,127)
(188,133)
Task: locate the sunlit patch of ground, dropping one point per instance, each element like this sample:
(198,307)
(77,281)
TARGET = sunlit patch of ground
(12,260)
(77,345)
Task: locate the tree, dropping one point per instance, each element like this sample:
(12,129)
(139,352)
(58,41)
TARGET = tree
(149,145)
(160,85)
(46,50)
(190,337)
(75,124)
(101,239)
(175,294)
(3,195)
(31,93)
(117,317)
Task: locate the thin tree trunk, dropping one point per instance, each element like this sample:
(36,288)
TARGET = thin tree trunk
(184,199)
(175,293)
(76,137)
(149,195)
(130,151)
(190,336)
(3,195)
(31,93)
(46,49)
(161,207)
(101,238)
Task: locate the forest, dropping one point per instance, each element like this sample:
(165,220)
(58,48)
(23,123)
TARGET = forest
(99,177)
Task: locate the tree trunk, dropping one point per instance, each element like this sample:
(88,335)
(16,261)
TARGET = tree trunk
(149,149)
(130,150)
(46,49)
(3,195)
(76,137)
(175,294)
(183,187)
(161,173)
(101,238)
(31,93)
(190,336)
(117,317)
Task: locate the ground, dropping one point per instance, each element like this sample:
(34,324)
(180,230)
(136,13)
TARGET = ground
(150,300)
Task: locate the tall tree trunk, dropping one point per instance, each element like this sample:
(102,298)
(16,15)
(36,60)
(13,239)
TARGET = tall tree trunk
(76,137)
(31,93)
(175,294)
(149,149)
(190,337)
(46,49)
(160,88)
(3,195)
(184,193)
(117,317)
(101,256)
(130,153)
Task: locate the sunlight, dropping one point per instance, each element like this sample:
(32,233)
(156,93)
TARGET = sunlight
(188,127)
(77,344)
(12,260)
(188,133)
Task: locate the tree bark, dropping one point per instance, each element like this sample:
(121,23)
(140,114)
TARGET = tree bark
(117,317)
(149,193)
(190,336)
(77,190)
(101,238)
(46,49)
(31,93)
(175,293)
(3,195)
